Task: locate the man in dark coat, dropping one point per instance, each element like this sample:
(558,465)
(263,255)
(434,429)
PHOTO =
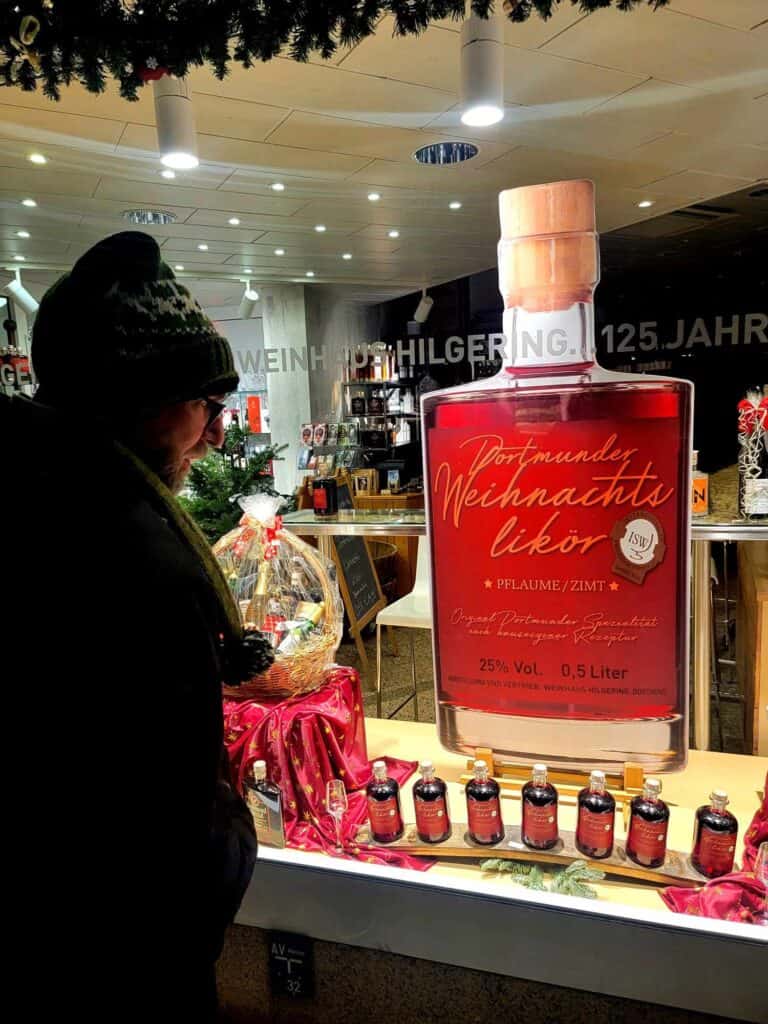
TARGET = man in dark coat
(131,851)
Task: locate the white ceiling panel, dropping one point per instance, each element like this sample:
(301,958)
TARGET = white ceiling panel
(699,154)
(743,14)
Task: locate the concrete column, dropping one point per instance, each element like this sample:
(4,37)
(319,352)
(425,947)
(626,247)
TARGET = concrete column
(289,363)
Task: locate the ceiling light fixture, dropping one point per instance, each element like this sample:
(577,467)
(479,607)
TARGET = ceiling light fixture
(234,221)
(645,203)
(28,202)
(455,205)
(346,255)
(374,197)
(424,307)
(482,71)
(393,234)
(22,234)
(18,256)
(248,270)
(279,252)
(178,266)
(310,273)
(203,247)
(320,227)
(37,158)
(175,118)
(277,186)
(168,173)
(248,302)
(19,294)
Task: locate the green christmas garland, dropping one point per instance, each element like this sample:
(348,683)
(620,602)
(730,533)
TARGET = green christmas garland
(55,42)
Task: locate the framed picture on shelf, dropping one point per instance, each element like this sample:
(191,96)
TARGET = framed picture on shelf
(365,481)
(303,458)
(321,433)
(353,434)
(393,480)
(333,434)
(307,433)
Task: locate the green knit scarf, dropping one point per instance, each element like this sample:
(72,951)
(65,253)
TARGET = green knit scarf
(194,538)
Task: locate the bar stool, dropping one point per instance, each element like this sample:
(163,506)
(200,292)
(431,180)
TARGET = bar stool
(414,611)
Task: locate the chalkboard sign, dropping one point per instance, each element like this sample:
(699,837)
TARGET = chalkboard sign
(358,579)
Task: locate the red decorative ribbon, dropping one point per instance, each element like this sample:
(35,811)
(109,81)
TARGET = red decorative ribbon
(272,541)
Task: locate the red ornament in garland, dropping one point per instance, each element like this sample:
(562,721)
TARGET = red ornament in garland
(151,71)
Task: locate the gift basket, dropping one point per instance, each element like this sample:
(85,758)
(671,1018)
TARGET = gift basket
(284,588)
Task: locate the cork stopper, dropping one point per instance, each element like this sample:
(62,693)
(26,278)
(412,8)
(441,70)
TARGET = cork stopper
(548,252)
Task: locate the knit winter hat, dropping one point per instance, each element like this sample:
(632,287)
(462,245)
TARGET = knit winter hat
(121,322)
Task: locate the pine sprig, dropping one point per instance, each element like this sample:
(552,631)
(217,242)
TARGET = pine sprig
(88,40)
(570,881)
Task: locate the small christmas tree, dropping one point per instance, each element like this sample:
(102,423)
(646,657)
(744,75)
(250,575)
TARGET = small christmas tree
(217,481)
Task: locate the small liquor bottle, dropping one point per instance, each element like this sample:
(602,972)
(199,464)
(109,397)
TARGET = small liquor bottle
(484,807)
(430,801)
(325,501)
(384,814)
(714,837)
(596,817)
(539,798)
(648,822)
(265,801)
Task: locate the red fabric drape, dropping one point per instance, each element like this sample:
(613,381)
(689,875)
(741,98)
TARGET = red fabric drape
(306,741)
(739,896)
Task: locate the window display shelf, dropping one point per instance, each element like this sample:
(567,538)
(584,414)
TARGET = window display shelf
(624,943)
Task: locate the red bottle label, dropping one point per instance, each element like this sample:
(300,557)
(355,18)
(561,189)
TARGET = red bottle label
(716,851)
(320,498)
(484,818)
(647,839)
(384,816)
(570,608)
(431,817)
(540,823)
(595,830)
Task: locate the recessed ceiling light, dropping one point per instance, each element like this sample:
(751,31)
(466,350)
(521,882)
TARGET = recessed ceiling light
(18,257)
(279,252)
(645,203)
(37,158)
(310,273)
(234,221)
(248,270)
(455,205)
(168,173)
(320,227)
(28,202)
(346,255)
(374,197)
(442,153)
(178,266)
(393,234)
(22,234)
(203,247)
(277,186)
(149,217)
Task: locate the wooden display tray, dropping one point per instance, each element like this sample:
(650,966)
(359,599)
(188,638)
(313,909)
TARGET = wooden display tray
(676,869)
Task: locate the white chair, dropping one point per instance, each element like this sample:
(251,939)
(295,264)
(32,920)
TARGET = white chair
(414,611)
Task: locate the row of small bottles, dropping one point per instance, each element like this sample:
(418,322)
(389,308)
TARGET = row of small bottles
(370,362)
(714,842)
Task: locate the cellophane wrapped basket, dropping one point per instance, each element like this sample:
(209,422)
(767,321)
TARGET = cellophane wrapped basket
(286,589)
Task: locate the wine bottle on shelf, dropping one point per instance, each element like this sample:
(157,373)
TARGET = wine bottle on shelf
(384,813)
(484,807)
(539,799)
(265,802)
(648,824)
(714,837)
(596,818)
(430,802)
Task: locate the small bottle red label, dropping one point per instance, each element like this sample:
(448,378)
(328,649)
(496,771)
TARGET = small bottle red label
(716,851)
(384,816)
(431,817)
(320,498)
(595,830)
(484,818)
(647,839)
(540,823)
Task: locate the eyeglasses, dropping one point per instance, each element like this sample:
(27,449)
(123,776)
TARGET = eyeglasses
(214,408)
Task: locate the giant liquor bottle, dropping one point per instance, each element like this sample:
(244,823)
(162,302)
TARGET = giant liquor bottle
(558,505)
